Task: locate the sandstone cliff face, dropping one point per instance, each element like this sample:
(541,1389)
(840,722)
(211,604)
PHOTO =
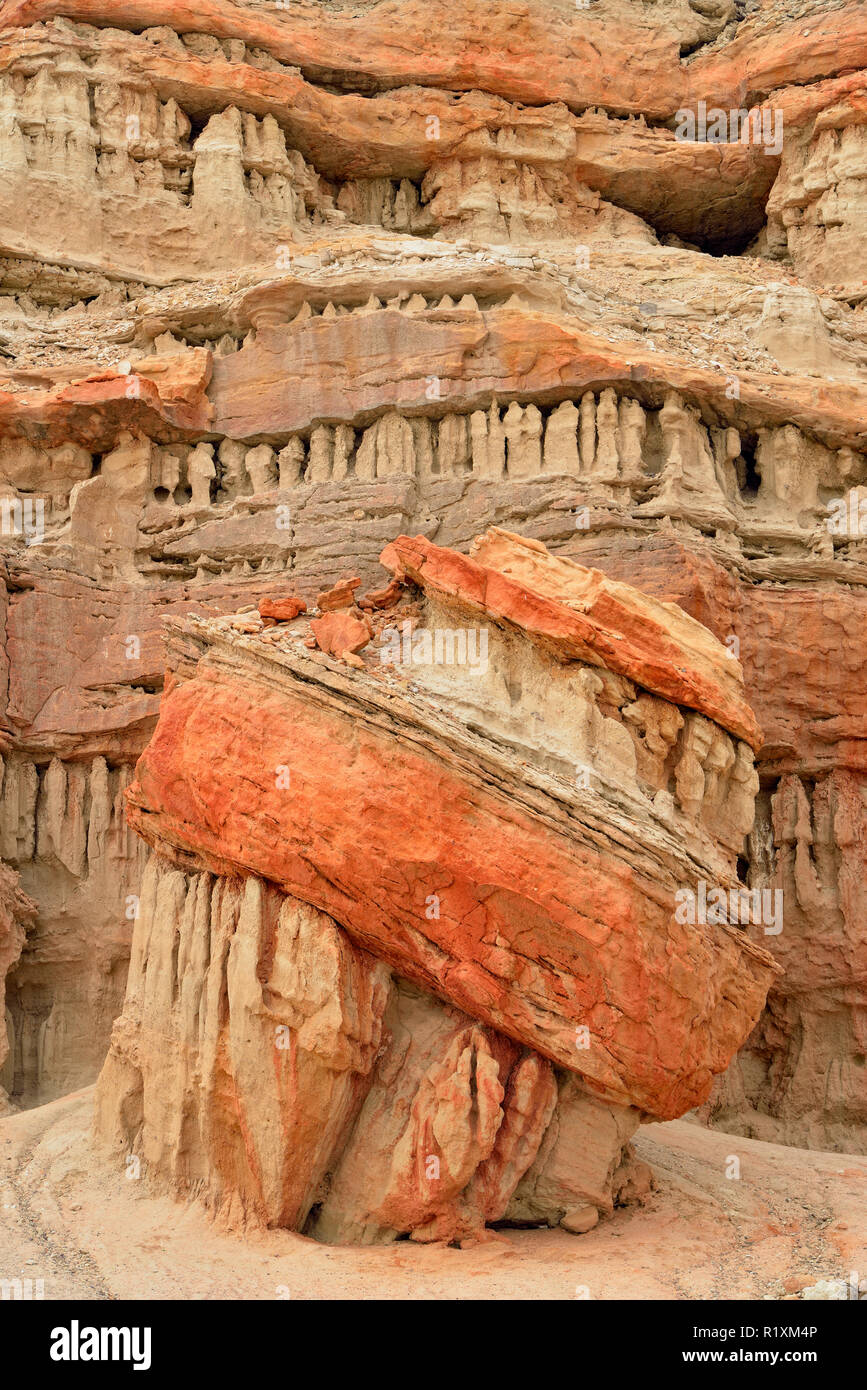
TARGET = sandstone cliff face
(370,788)
(282,284)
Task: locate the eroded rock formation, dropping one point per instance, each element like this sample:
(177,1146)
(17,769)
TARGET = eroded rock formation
(16,913)
(279,284)
(497,798)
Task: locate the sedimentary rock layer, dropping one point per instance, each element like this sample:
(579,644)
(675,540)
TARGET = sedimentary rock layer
(279,285)
(547,918)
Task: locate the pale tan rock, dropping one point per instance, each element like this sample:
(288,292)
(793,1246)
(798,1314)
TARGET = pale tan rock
(353,1100)
(16,914)
(81,864)
(200,942)
(569,1173)
(580,1220)
(816,205)
(561,440)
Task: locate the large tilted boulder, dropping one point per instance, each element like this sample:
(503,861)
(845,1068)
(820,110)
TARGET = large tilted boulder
(410,955)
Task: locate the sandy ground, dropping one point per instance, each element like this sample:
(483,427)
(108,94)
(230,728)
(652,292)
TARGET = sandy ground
(90,1233)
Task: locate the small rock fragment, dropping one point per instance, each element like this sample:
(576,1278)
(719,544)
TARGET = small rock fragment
(342,595)
(281,610)
(580,1220)
(337,633)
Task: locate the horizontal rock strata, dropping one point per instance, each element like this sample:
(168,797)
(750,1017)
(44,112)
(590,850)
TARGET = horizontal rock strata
(279,285)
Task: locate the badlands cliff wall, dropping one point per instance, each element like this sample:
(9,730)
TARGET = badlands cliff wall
(280,284)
